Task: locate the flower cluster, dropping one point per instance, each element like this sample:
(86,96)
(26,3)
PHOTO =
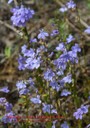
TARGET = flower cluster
(8,109)
(61,64)
(21,15)
(51,69)
(29,59)
(7,118)
(69,5)
(24,86)
(80,112)
(7,106)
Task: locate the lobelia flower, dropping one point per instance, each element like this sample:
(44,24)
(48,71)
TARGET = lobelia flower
(64,125)
(23,91)
(69,39)
(54,32)
(36,100)
(10,1)
(31,82)
(71,4)
(8,107)
(42,34)
(54,122)
(51,54)
(76,48)
(80,111)
(26,52)
(73,56)
(21,15)
(65,57)
(22,88)
(61,82)
(60,64)
(21,62)
(31,60)
(33,40)
(33,63)
(87,30)
(4,89)
(61,47)
(20,85)
(67,79)
(24,49)
(9,118)
(89,97)
(41,49)
(48,108)
(65,92)
(48,75)
(55,85)
(3,101)
(88,126)
(63,9)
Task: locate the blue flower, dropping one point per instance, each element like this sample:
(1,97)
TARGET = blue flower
(9,118)
(70,4)
(28,53)
(64,125)
(31,82)
(8,107)
(10,1)
(48,108)
(55,32)
(89,97)
(23,91)
(41,49)
(76,48)
(22,88)
(73,56)
(51,54)
(67,79)
(21,85)
(36,100)
(54,122)
(48,75)
(61,47)
(80,111)
(60,64)
(69,39)
(24,49)
(21,15)
(87,30)
(55,85)
(63,9)
(31,60)
(42,34)
(3,101)
(33,40)
(4,89)
(88,126)
(65,92)
(21,62)
(33,63)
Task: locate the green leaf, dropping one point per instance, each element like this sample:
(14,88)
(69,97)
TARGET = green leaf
(7,52)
